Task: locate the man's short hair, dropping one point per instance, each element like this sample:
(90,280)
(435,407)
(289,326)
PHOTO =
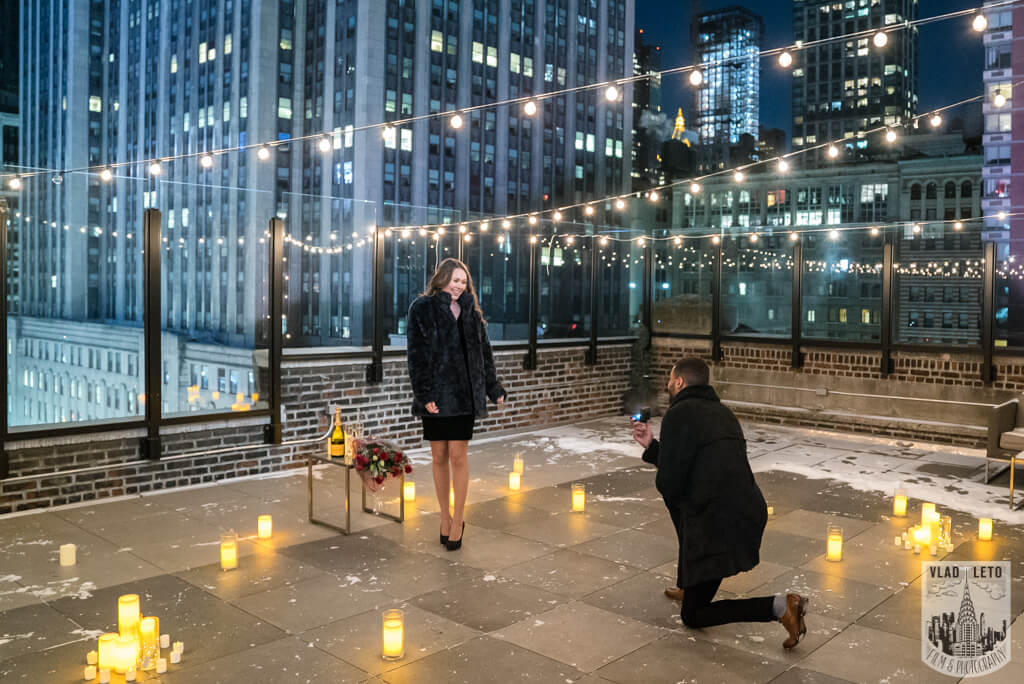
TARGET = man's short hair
(692,370)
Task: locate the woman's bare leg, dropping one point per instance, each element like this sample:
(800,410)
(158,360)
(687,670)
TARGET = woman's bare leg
(439,452)
(460,481)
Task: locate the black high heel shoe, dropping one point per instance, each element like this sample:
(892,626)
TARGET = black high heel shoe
(456,545)
(444,539)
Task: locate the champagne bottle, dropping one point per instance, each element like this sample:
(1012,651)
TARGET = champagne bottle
(337,449)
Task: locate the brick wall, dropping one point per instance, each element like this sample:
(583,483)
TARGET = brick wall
(95,466)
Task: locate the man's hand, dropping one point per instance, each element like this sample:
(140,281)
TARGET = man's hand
(642,434)
(432,408)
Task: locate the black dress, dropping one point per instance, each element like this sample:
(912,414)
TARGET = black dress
(452,428)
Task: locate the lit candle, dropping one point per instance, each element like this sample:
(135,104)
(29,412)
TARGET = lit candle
(409,491)
(264,527)
(517,464)
(67,554)
(161,665)
(129,676)
(165,641)
(579,498)
(934,549)
(771,510)
(834,544)
(126,653)
(393,647)
(228,551)
(175,657)
(104,676)
(106,645)
(899,504)
(985,529)
(89,673)
(92,657)
(514,481)
(898,541)
(927,513)
(128,614)
(179,646)
(922,535)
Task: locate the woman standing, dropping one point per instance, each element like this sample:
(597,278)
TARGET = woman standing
(452,373)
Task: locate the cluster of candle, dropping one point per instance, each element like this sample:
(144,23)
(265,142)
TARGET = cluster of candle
(935,531)
(229,541)
(134,646)
(515,478)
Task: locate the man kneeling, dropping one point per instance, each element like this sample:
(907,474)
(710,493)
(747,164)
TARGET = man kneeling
(716,506)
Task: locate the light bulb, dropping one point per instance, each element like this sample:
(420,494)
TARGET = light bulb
(738,176)
(753,237)
(620,204)
(654,195)
(106,174)
(557,216)
(604,241)
(874,232)
(794,237)
(484,226)
(881,39)
(694,188)
(441,230)
(463,228)
(324,144)
(506,224)
(999,100)
(530,108)
(611,94)
(532,220)
(589,210)
(935,121)
(783,166)
(456,121)
(890,136)
(785,60)
(696,77)
(387,133)
(533,239)
(917,228)
(155,169)
(833,151)
(14,183)
(833,234)
(715,239)
(206,161)
(980,22)
(263,154)
(958,226)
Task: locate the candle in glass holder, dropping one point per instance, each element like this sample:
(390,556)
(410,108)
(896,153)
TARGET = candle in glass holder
(579,497)
(264,527)
(517,464)
(104,675)
(161,665)
(409,490)
(128,614)
(165,641)
(67,554)
(175,657)
(985,529)
(129,675)
(149,641)
(514,481)
(228,551)
(899,504)
(771,510)
(105,650)
(89,673)
(928,513)
(834,544)
(922,535)
(393,645)
(92,657)
(179,646)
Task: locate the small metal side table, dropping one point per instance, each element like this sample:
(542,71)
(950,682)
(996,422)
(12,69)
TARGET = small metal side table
(340,462)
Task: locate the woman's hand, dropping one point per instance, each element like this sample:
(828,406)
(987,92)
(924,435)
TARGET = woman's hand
(432,407)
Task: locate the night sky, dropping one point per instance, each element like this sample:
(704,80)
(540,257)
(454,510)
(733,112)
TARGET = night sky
(950,54)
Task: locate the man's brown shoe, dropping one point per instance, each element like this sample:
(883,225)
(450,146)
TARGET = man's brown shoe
(793,619)
(674,593)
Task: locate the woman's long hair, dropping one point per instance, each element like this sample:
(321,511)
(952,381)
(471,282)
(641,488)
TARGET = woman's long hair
(443,275)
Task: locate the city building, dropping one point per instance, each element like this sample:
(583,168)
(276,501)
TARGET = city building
(648,120)
(727,42)
(999,129)
(843,88)
(186,77)
(841,283)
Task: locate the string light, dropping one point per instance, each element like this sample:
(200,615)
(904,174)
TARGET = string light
(916,228)
(936,120)
(890,136)
(980,22)
(785,59)
(654,196)
(833,234)
(738,176)
(881,39)
(106,175)
(794,237)
(620,204)
(463,228)
(532,220)
(958,225)
(263,153)
(484,226)
(833,151)
(206,161)
(155,169)
(14,183)
(589,210)
(456,121)
(715,239)
(694,188)
(467,237)
(533,239)
(999,101)
(753,237)
(696,77)
(611,94)
(441,230)
(604,241)
(557,216)
(783,166)
(874,231)
(506,224)
(388,133)
(530,108)
(324,144)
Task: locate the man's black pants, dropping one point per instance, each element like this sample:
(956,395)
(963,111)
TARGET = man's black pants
(699,609)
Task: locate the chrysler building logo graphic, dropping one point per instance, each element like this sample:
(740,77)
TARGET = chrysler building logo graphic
(965,617)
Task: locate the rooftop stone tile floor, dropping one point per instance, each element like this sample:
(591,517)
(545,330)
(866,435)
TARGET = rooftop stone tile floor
(536,594)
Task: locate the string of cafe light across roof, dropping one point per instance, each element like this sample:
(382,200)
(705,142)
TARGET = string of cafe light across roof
(529,102)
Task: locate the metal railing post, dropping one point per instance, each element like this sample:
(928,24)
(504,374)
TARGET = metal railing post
(591,356)
(797,320)
(5,466)
(888,274)
(272,432)
(530,360)
(988,314)
(151,317)
(375,371)
(716,306)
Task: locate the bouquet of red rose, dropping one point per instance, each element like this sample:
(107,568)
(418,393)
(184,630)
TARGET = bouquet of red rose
(376,461)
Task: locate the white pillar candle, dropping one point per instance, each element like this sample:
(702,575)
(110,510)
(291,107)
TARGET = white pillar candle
(514,481)
(67,555)
(89,673)
(104,676)
(91,657)
(165,641)
(129,676)
(179,646)
(161,665)
(264,527)
(771,510)
(175,657)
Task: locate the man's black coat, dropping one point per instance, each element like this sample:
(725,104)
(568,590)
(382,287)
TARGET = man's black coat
(705,479)
(437,367)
